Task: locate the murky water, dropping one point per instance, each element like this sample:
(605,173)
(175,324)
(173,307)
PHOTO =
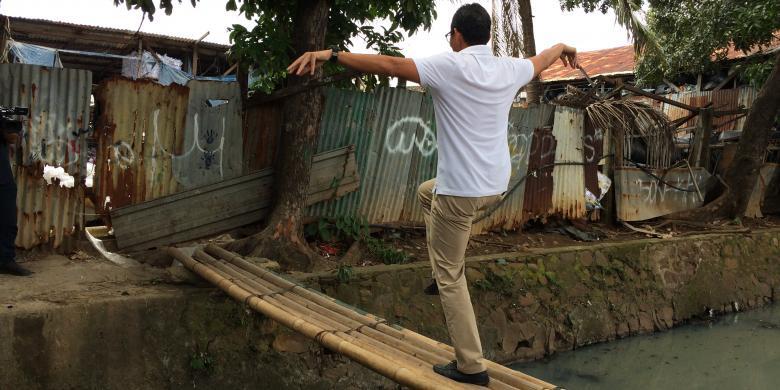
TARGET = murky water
(739,351)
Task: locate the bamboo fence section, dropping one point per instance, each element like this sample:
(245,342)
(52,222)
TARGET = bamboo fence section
(399,354)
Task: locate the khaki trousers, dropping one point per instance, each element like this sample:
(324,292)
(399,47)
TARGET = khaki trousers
(447,227)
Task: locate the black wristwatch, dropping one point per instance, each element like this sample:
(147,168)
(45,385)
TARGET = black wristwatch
(334,54)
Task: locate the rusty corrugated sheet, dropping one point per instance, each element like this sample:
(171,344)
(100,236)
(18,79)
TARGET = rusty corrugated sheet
(641,196)
(58,99)
(54,134)
(537,200)
(141,127)
(722,100)
(522,122)
(568,198)
(262,126)
(213,140)
(46,213)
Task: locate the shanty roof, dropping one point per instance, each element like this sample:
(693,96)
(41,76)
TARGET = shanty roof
(605,62)
(86,37)
(212,57)
(620,61)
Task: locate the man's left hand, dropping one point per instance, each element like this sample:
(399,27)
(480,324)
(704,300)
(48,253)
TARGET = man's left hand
(309,62)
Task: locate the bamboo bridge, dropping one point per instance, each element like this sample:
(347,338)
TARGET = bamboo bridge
(399,354)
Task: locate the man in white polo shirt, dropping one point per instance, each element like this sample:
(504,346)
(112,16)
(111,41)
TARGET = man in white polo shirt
(472,94)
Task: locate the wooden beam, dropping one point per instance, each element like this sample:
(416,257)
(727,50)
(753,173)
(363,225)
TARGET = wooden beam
(257,100)
(652,95)
(729,77)
(671,84)
(195,53)
(230,70)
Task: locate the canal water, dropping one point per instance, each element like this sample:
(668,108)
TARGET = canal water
(738,351)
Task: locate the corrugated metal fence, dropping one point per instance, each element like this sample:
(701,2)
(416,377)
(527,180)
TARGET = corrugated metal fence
(156,140)
(55,134)
(722,100)
(395,136)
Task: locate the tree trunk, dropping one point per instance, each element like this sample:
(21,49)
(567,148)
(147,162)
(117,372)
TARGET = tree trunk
(533,89)
(282,239)
(742,174)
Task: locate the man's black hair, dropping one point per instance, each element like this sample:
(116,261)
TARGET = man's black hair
(473,22)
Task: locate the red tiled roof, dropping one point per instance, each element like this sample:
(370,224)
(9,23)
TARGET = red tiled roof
(773,46)
(620,61)
(614,61)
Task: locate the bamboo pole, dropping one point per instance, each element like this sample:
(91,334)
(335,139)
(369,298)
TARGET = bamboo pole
(369,359)
(340,329)
(495,370)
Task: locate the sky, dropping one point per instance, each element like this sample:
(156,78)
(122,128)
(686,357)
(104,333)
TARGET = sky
(551,25)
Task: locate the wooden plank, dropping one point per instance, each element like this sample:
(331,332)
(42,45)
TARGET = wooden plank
(226,205)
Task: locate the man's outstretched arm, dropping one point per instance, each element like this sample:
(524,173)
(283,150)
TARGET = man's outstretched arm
(365,63)
(543,60)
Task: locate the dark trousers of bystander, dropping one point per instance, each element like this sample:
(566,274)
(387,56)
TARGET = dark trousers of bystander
(7,208)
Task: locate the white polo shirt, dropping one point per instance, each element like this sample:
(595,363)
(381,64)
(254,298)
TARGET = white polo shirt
(472,94)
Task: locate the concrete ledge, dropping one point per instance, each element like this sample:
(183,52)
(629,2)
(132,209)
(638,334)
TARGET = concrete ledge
(157,336)
(535,303)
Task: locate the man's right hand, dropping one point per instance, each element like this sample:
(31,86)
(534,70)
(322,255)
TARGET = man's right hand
(543,60)
(569,56)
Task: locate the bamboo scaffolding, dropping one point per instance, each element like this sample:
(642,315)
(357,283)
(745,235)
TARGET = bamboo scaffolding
(496,371)
(378,363)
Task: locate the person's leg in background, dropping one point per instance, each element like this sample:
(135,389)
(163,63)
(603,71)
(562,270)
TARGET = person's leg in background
(8,231)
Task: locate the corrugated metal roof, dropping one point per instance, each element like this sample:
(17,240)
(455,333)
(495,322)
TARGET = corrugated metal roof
(604,62)
(46,26)
(621,61)
(140,128)
(54,134)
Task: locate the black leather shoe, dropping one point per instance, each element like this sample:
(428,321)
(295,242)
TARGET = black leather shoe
(451,371)
(432,289)
(13,268)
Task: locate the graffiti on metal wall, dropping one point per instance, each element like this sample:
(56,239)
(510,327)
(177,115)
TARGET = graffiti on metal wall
(681,190)
(402,137)
(590,143)
(209,152)
(58,152)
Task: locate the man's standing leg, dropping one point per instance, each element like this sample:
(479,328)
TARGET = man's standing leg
(450,227)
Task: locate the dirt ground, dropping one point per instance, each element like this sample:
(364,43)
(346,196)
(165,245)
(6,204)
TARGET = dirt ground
(81,275)
(411,240)
(62,279)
